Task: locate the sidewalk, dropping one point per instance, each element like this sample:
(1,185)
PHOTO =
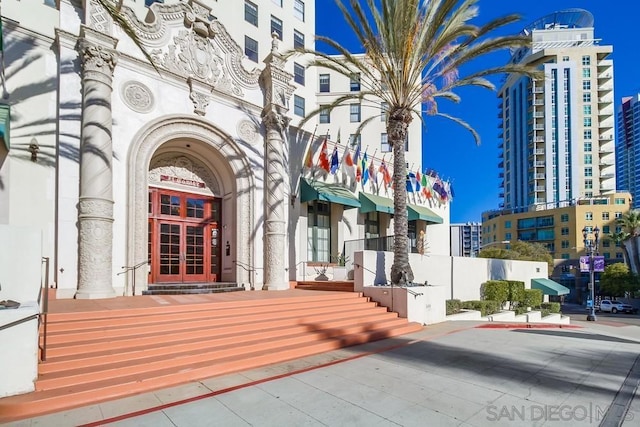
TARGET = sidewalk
(450,374)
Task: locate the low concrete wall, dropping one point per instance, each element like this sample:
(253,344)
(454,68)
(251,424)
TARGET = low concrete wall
(422,304)
(19,354)
(20,263)
(465,315)
(462,275)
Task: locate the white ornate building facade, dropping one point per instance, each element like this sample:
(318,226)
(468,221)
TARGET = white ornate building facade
(192,168)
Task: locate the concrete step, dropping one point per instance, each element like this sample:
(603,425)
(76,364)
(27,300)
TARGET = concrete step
(106,354)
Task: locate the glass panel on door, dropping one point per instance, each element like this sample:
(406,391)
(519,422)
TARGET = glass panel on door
(194,249)
(170,250)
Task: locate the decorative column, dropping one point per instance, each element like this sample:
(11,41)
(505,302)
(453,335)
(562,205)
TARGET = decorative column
(95,207)
(277,89)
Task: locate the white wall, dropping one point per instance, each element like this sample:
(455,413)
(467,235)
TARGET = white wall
(447,277)
(20,263)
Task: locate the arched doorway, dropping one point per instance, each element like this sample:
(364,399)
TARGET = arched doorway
(185,220)
(204,183)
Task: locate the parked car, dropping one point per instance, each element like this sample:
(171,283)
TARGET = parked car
(614,306)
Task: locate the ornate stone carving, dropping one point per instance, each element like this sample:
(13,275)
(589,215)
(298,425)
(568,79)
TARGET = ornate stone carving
(98,58)
(99,19)
(248,131)
(275,121)
(95,235)
(199,95)
(137,96)
(184,168)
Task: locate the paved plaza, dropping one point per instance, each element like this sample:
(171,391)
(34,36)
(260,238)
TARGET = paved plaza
(450,374)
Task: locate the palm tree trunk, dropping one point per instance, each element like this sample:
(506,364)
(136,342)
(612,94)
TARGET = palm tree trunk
(401,272)
(634,255)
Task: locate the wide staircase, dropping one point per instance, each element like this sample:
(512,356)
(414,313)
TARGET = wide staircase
(107,354)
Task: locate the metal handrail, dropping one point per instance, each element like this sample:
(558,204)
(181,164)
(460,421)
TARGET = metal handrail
(249,269)
(43,300)
(133,268)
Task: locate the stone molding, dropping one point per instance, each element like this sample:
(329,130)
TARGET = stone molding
(137,96)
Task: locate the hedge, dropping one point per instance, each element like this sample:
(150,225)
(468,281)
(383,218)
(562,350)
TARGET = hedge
(453,306)
(553,307)
(532,298)
(495,290)
(485,307)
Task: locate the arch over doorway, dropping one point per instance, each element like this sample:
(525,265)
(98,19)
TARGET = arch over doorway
(224,159)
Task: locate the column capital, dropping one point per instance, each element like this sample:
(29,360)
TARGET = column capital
(275,121)
(98,58)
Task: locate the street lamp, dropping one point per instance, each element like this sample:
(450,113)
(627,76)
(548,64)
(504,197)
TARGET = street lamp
(591,247)
(479,248)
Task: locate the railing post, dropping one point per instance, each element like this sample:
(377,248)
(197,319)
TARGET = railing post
(44,309)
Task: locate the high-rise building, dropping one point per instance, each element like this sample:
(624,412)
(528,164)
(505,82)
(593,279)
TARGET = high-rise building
(628,148)
(556,134)
(466,239)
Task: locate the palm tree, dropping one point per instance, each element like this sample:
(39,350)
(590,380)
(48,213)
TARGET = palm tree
(618,238)
(413,51)
(630,223)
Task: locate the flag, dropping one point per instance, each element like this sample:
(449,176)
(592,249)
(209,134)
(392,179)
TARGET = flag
(334,161)
(426,187)
(386,176)
(373,177)
(412,185)
(323,160)
(356,160)
(365,170)
(347,164)
(416,183)
(308,160)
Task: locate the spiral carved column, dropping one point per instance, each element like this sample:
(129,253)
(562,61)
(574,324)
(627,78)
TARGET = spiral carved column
(95,207)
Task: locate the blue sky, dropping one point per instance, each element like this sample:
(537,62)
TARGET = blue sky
(451,150)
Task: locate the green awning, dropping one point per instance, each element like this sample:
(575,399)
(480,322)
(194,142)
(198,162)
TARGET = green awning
(5,118)
(373,203)
(549,287)
(332,193)
(420,212)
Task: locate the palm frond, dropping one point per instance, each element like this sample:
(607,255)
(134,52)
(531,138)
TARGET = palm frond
(114,10)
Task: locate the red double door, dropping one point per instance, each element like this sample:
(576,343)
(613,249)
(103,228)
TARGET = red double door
(184,237)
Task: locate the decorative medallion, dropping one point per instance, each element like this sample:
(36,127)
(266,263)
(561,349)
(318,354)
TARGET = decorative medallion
(248,131)
(137,96)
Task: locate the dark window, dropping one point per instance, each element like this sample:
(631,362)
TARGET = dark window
(276,26)
(325,83)
(251,13)
(354,113)
(298,73)
(354,83)
(298,105)
(298,9)
(298,39)
(325,116)
(251,48)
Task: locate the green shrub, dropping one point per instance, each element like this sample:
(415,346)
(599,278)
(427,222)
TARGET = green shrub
(521,310)
(544,313)
(553,307)
(453,306)
(484,307)
(516,292)
(532,298)
(495,290)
